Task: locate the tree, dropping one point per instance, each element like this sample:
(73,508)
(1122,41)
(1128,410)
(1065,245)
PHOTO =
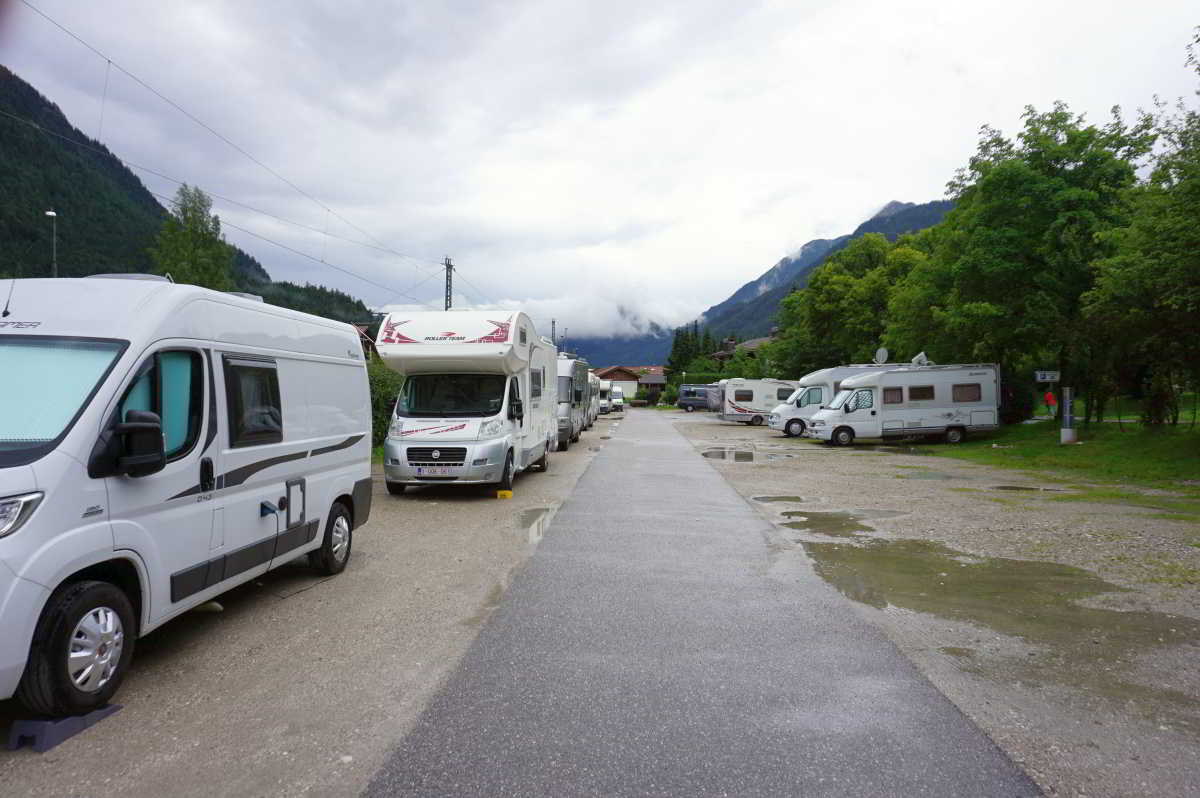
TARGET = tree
(190,247)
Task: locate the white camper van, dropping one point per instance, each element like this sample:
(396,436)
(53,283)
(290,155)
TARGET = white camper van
(479,399)
(593,399)
(160,444)
(816,389)
(907,401)
(750,401)
(605,396)
(573,399)
(616,398)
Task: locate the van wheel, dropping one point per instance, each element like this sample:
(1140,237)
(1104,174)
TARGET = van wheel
(843,436)
(396,488)
(334,553)
(756,421)
(955,435)
(81,650)
(689,409)
(563,445)
(793,428)
(506,478)
(543,462)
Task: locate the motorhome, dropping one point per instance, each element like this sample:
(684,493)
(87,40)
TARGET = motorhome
(816,389)
(692,397)
(593,399)
(573,399)
(911,401)
(159,445)
(479,399)
(617,398)
(605,396)
(751,401)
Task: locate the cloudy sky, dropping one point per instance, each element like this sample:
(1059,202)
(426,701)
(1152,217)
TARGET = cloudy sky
(603,163)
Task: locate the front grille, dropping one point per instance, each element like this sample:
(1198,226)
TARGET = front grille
(448,455)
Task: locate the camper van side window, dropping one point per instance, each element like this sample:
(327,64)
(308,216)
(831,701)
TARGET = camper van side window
(971,392)
(743,396)
(535,383)
(893,396)
(920,393)
(173,387)
(861,400)
(783,393)
(252,394)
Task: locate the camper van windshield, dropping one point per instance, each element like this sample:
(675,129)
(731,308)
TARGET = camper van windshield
(451,395)
(46,382)
(839,400)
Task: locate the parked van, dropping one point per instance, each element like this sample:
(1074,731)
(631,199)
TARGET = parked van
(617,398)
(160,444)
(816,389)
(605,396)
(693,397)
(479,400)
(751,401)
(573,399)
(593,399)
(948,401)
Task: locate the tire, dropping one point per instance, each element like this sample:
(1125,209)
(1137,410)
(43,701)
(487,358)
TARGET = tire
(334,553)
(77,614)
(506,478)
(794,428)
(955,435)
(563,445)
(543,463)
(843,436)
(689,409)
(756,421)
(396,488)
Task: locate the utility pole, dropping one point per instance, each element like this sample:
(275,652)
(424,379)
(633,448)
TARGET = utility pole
(53,243)
(449,271)
(553,329)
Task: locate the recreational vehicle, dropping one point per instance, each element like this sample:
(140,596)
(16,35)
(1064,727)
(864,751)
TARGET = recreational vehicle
(616,398)
(605,396)
(593,411)
(750,401)
(159,445)
(573,399)
(816,389)
(693,397)
(911,401)
(479,399)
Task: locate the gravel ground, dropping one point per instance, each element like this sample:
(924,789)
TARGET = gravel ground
(300,685)
(1053,624)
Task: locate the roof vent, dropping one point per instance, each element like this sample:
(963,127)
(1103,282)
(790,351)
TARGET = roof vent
(156,278)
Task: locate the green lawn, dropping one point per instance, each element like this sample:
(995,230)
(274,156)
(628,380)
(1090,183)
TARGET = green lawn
(1126,409)
(1163,458)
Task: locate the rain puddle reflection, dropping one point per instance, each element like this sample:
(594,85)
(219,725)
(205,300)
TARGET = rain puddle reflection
(1082,646)
(531,524)
(768,499)
(847,524)
(745,455)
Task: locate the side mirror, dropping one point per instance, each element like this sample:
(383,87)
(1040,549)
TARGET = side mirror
(516,409)
(141,439)
(847,409)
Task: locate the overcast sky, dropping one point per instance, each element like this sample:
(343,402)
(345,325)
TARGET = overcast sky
(578,158)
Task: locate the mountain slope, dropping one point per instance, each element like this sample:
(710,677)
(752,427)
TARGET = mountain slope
(107,220)
(750,311)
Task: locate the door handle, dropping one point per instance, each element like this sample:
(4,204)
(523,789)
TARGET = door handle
(208,480)
(872,412)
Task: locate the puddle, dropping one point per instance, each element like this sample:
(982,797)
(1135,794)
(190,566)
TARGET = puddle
(531,524)
(955,651)
(845,524)
(915,450)
(1084,647)
(768,499)
(1027,487)
(938,475)
(744,455)
(593,448)
(606,437)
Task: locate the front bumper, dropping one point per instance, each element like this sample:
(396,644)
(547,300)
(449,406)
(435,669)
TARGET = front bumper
(483,462)
(824,433)
(20,605)
(775,422)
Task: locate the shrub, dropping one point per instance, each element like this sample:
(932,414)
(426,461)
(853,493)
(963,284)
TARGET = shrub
(385,386)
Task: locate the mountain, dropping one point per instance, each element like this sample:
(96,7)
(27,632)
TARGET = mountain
(750,311)
(107,220)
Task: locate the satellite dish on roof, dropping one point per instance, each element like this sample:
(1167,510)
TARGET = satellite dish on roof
(920,360)
(881,355)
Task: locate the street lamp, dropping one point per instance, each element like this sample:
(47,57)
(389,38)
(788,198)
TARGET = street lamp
(53,243)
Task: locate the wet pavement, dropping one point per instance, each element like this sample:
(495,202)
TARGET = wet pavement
(659,642)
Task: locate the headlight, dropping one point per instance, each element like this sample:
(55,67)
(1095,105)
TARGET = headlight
(15,510)
(816,423)
(491,429)
(397,428)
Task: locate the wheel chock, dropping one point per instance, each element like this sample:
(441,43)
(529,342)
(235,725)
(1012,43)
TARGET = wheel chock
(42,735)
(504,494)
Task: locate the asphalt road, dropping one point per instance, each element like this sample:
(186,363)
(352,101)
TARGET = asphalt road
(658,644)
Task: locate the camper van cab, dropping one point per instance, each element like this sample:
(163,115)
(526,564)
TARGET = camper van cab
(159,445)
(573,400)
(816,389)
(947,401)
(605,396)
(750,401)
(479,400)
(617,398)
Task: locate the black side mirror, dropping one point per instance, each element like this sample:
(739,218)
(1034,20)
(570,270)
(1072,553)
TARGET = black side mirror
(847,409)
(516,409)
(141,440)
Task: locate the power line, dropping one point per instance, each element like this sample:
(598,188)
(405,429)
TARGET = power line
(482,297)
(231,201)
(200,122)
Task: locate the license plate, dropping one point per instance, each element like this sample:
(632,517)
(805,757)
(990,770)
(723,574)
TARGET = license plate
(433,471)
